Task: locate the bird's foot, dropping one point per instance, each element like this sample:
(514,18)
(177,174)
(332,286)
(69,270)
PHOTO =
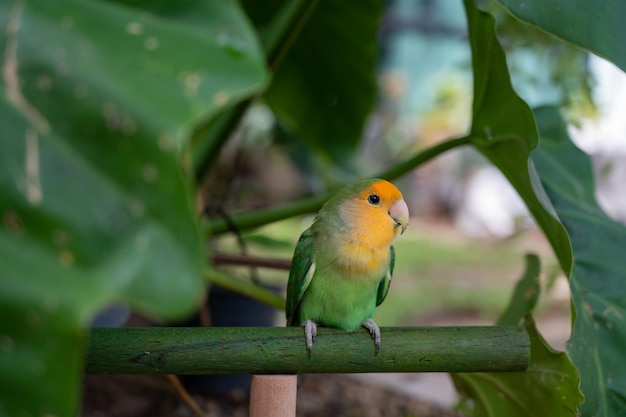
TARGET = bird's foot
(310,331)
(374,330)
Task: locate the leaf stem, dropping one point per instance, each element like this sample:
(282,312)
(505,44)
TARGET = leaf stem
(209,139)
(285,29)
(246,221)
(220,258)
(243,287)
(423,156)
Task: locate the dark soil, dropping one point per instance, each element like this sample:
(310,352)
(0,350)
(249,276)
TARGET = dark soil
(318,396)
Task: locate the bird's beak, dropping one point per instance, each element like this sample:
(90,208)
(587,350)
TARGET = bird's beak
(399,212)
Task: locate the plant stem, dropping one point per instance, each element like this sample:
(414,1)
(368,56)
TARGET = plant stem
(184,395)
(280,35)
(209,139)
(285,29)
(220,258)
(259,218)
(281,350)
(246,288)
(423,156)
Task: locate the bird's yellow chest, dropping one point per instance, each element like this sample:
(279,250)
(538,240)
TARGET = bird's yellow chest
(360,260)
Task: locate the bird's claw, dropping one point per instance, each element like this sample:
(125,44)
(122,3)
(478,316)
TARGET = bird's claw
(374,330)
(310,331)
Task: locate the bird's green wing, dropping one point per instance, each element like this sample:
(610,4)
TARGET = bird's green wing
(300,275)
(383,287)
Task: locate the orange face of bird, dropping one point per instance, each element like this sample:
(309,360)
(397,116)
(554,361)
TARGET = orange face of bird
(382,213)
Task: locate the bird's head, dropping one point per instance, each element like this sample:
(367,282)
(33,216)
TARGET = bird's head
(382,202)
(372,210)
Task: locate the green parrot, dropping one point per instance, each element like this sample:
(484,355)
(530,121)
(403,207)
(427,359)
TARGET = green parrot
(343,263)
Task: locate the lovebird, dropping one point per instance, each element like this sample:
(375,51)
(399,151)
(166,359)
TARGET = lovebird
(343,264)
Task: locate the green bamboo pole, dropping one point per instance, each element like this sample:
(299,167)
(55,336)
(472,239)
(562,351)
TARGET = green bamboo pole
(281,350)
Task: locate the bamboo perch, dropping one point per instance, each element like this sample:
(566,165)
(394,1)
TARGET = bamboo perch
(281,350)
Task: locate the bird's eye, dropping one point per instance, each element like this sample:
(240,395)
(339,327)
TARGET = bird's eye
(373,199)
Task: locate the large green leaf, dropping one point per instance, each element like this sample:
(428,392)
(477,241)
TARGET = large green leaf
(549,387)
(598,279)
(525,295)
(594,25)
(97,100)
(503,127)
(504,130)
(325,86)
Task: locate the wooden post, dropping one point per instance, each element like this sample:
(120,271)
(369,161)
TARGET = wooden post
(273,395)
